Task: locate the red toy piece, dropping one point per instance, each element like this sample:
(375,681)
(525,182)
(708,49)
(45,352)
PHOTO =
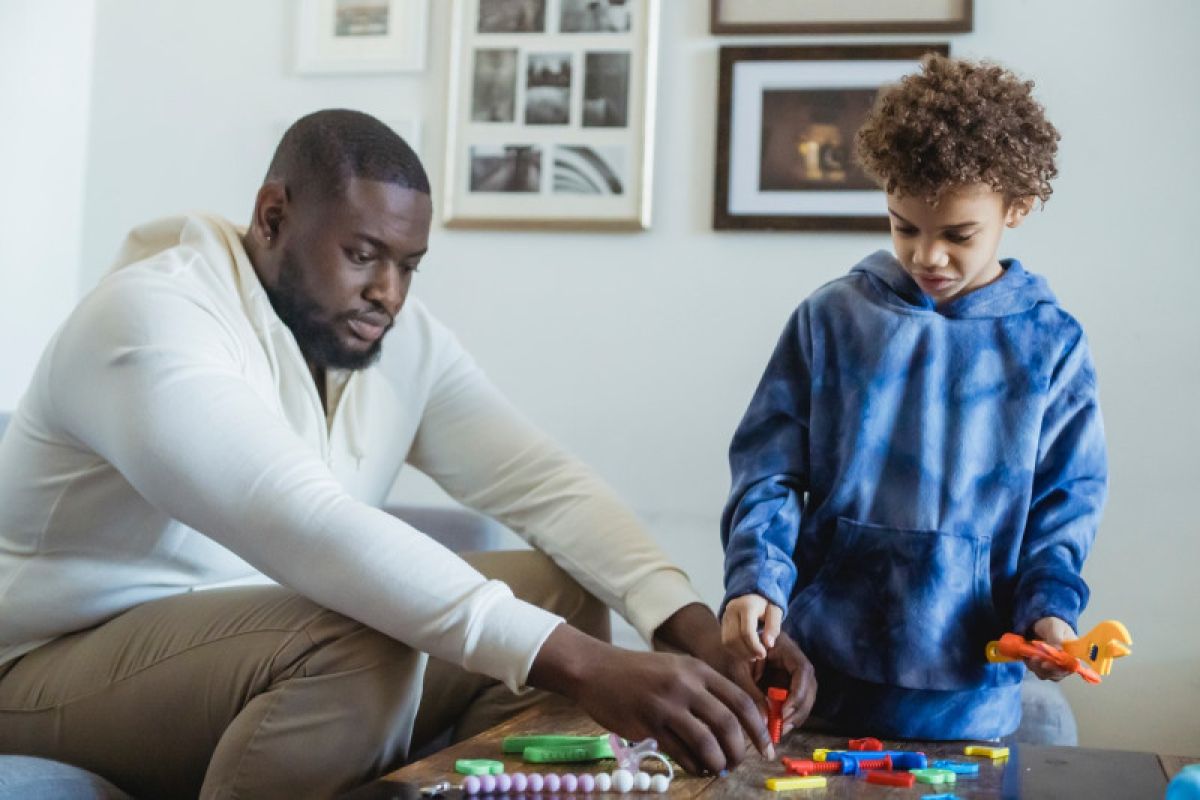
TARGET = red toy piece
(1014,647)
(902,779)
(867,743)
(776,697)
(836,766)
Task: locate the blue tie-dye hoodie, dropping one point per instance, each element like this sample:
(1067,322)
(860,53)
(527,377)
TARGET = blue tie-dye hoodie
(910,482)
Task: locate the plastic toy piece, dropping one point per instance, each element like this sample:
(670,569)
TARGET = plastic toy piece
(866,743)
(776,697)
(836,765)
(994,753)
(933,775)
(550,749)
(478,766)
(795,782)
(902,779)
(962,769)
(1099,646)
(821,753)
(901,759)
(941,797)
(1014,647)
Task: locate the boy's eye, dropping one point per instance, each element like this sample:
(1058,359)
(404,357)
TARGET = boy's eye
(904,231)
(959,238)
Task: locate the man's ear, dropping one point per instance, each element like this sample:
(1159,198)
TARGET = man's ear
(270,212)
(1017,210)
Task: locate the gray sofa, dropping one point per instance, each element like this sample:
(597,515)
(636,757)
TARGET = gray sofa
(1046,716)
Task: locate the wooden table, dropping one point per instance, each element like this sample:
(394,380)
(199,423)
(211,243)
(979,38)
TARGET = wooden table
(995,780)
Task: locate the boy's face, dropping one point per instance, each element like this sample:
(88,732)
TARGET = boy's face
(950,249)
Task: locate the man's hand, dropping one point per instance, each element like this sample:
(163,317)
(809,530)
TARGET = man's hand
(787,664)
(739,626)
(1053,631)
(699,717)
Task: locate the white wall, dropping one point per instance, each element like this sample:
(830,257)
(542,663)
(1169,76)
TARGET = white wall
(639,351)
(45,58)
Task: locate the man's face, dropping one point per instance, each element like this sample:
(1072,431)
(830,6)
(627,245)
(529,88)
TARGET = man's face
(950,249)
(345,267)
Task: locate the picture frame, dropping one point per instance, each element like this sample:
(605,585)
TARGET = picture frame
(840,16)
(550,120)
(360,36)
(786,119)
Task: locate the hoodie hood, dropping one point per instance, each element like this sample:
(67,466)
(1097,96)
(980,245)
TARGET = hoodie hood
(1014,292)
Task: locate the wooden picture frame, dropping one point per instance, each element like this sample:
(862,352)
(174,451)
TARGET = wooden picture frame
(840,16)
(786,119)
(550,121)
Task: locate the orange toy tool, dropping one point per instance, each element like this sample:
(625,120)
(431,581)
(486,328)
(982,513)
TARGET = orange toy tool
(1099,646)
(1014,647)
(776,696)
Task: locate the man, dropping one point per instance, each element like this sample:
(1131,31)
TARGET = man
(208,414)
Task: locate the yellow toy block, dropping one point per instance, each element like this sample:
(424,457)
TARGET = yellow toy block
(797,782)
(988,752)
(820,753)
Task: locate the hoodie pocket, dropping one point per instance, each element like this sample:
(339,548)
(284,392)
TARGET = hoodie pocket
(900,607)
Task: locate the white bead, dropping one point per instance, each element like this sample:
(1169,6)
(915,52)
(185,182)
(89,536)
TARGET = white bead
(660,783)
(603,782)
(622,780)
(642,781)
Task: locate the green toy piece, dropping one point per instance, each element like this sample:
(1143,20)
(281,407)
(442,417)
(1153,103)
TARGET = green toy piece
(478,766)
(550,749)
(934,775)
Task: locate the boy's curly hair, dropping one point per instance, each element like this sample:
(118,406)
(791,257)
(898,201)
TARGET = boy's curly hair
(957,123)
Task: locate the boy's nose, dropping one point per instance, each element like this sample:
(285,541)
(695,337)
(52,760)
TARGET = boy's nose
(929,255)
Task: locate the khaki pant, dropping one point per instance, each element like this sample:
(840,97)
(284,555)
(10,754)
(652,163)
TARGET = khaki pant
(256,692)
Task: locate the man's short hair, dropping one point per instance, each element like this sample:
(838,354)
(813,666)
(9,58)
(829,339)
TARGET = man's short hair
(321,152)
(956,123)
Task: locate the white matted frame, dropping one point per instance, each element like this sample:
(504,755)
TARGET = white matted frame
(550,121)
(360,36)
(786,119)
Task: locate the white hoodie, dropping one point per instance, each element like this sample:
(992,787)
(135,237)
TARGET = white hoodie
(172,438)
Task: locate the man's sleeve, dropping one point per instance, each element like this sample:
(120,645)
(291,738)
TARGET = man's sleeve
(1069,490)
(768,459)
(478,448)
(150,380)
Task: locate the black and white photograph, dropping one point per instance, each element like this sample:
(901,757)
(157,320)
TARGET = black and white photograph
(548,89)
(362,18)
(606,90)
(494,88)
(512,16)
(596,16)
(584,169)
(550,109)
(506,168)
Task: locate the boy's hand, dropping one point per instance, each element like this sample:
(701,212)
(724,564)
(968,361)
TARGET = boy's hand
(739,626)
(1053,631)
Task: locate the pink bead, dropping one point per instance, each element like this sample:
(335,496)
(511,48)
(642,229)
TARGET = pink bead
(569,782)
(535,782)
(487,783)
(470,784)
(553,782)
(519,782)
(587,783)
(503,782)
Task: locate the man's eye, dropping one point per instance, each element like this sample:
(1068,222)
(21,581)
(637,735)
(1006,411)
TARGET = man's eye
(360,257)
(414,266)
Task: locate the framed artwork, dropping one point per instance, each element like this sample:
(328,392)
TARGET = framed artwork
(550,121)
(786,119)
(841,16)
(340,36)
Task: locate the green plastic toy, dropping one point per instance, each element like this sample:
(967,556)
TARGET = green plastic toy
(478,766)
(551,749)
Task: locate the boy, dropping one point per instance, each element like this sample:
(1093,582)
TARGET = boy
(922,466)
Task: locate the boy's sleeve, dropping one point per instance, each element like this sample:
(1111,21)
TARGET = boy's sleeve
(769,462)
(1069,488)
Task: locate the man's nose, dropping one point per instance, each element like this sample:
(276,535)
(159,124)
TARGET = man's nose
(387,287)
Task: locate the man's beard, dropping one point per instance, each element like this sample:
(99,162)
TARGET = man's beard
(317,338)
